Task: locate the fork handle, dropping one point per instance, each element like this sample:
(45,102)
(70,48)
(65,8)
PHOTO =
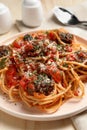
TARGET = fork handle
(82,24)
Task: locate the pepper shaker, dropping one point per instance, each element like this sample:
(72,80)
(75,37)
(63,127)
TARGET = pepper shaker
(32,12)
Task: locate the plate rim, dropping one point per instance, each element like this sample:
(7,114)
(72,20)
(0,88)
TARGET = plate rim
(49,117)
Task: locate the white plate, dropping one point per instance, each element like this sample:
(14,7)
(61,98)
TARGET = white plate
(68,109)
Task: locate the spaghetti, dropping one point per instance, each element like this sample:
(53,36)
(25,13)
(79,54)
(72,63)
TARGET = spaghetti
(43,69)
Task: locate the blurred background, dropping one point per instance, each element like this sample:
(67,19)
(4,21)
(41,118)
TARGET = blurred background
(15,5)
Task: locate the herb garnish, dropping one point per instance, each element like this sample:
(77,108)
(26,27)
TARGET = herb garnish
(2,63)
(65,65)
(27,37)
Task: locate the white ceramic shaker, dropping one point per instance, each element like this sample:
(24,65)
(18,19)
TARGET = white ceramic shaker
(32,13)
(5,19)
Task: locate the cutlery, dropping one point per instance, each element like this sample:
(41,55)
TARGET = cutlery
(68,18)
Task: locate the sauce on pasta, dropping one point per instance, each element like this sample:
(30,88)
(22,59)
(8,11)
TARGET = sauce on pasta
(43,69)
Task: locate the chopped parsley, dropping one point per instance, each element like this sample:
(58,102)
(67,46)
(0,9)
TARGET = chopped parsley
(59,47)
(65,65)
(3,63)
(27,37)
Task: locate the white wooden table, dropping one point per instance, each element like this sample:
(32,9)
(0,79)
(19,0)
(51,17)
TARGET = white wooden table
(8,122)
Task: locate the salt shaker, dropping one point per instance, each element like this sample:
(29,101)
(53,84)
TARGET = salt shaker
(32,13)
(5,19)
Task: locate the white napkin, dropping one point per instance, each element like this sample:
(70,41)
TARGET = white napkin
(80,120)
